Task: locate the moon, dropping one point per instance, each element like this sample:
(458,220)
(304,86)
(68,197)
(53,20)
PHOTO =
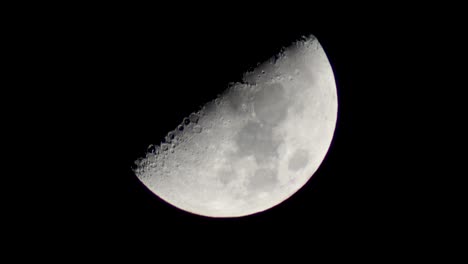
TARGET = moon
(254,145)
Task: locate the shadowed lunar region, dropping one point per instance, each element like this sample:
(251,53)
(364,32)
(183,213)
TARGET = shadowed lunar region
(253,146)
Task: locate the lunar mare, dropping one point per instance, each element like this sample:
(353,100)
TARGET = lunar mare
(253,146)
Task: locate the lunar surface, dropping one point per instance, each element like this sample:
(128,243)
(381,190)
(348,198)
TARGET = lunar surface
(253,146)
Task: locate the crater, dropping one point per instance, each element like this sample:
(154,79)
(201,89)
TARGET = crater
(237,97)
(270,104)
(298,160)
(226,176)
(264,179)
(257,140)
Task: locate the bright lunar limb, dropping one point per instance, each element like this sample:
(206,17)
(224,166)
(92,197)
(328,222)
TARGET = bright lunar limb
(253,146)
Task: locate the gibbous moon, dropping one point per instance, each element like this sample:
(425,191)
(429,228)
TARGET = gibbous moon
(255,145)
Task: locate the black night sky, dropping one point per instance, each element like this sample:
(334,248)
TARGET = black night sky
(123,78)
(150,77)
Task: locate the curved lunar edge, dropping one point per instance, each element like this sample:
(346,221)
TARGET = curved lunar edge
(255,145)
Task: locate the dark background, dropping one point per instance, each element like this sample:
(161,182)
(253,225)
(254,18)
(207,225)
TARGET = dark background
(109,81)
(150,75)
